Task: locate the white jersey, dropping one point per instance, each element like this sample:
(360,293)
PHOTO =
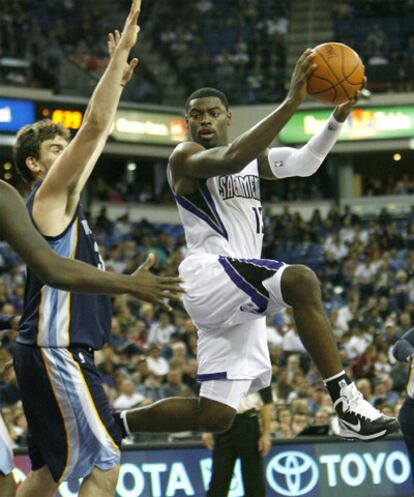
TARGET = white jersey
(226,281)
(224,216)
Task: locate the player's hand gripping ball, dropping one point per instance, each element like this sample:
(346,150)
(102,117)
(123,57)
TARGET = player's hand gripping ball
(339,75)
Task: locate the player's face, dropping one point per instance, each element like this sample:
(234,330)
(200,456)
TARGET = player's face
(208,121)
(50,150)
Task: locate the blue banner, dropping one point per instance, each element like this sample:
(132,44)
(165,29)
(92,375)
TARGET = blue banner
(15,113)
(340,469)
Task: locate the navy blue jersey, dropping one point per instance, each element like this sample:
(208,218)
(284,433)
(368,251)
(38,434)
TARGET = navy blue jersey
(58,318)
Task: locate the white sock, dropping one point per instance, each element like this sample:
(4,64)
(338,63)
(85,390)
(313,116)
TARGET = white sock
(334,377)
(125,421)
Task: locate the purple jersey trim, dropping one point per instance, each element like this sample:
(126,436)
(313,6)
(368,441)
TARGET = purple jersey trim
(210,201)
(189,206)
(260,300)
(212,376)
(270,264)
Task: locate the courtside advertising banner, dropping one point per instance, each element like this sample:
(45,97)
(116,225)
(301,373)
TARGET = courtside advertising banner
(340,469)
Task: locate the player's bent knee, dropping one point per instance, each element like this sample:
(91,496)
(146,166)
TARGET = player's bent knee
(105,481)
(300,285)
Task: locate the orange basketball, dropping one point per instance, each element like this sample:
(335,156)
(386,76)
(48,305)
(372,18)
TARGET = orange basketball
(339,75)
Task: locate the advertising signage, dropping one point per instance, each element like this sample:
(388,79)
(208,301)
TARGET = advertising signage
(15,113)
(369,123)
(342,469)
(149,127)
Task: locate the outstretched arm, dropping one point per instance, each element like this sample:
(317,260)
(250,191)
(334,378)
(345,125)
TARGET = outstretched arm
(57,198)
(192,160)
(286,162)
(68,274)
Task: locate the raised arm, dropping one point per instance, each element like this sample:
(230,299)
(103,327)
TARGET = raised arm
(60,190)
(285,162)
(192,160)
(68,274)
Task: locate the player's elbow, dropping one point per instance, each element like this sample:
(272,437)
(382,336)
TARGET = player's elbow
(50,276)
(95,123)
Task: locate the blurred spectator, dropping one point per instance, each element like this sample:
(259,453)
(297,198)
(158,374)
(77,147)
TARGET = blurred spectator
(156,363)
(128,396)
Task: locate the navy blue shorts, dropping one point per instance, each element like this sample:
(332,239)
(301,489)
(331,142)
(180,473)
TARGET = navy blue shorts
(71,428)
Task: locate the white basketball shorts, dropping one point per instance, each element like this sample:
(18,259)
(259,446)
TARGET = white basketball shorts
(228,299)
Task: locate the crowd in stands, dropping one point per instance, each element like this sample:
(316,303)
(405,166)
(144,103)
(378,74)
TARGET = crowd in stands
(382,32)
(366,269)
(392,184)
(243,52)
(239,46)
(236,45)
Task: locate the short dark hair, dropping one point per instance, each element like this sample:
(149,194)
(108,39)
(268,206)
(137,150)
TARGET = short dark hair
(29,140)
(208,92)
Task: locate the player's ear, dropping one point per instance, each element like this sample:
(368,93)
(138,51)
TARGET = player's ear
(229,117)
(32,164)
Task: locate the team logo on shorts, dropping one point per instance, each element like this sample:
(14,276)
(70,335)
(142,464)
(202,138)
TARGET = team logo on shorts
(250,307)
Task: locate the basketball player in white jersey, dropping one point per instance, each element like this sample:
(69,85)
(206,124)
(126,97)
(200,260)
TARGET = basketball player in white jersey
(229,288)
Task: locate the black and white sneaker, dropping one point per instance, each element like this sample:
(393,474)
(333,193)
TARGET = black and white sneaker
(358,419)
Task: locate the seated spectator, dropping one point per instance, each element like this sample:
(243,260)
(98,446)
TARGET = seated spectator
(156,363)
(151,388)
(300,421)
(160,331)
(128,396)
(283,428)
(174,386)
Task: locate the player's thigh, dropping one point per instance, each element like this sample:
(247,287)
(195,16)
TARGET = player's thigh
(225,291)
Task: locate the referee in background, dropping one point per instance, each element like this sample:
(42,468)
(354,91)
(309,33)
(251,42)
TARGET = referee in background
(247,439)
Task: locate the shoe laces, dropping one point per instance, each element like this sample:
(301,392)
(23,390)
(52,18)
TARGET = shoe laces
(354,402)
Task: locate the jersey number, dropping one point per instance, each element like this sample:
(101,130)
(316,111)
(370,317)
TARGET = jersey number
(259,220)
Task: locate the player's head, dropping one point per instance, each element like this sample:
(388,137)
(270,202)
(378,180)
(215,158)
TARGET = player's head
(37,147)
(208,117)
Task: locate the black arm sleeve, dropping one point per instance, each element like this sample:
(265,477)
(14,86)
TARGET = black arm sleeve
(404,347)
(266,395)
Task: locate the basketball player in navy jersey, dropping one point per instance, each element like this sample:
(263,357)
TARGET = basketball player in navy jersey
(60,330)
(53,270)
(229,288)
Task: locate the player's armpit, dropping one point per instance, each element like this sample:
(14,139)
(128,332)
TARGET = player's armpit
(265,171)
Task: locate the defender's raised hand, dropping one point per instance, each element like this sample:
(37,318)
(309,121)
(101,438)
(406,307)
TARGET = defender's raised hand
(130,31)
(153,288)
(113,41)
